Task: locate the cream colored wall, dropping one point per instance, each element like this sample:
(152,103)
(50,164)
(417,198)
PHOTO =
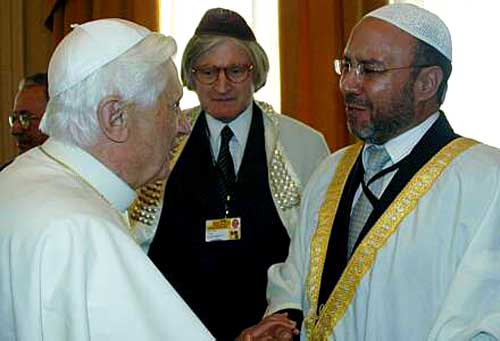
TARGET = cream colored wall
(25,48)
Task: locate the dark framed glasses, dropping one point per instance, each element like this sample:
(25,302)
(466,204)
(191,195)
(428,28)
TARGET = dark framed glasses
(23,117)
(234,73)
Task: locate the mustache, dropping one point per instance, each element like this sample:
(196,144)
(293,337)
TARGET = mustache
(353,100)
(22,138)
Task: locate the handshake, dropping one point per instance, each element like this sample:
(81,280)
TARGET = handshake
(273,327)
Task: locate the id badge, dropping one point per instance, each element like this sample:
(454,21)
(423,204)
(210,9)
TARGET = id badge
(223,229)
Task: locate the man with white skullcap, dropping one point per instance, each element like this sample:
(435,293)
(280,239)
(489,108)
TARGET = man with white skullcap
(72,267)
(399,236)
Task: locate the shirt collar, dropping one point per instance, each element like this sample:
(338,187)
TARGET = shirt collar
(240,126)
(402,145)
(108,184)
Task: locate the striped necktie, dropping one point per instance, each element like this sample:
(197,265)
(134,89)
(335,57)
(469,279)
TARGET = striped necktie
(225,163)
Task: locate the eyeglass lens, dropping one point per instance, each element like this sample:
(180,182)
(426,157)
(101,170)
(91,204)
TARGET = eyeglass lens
(24,119)
(234,73)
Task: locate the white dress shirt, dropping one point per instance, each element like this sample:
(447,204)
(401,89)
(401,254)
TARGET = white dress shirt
(240,127)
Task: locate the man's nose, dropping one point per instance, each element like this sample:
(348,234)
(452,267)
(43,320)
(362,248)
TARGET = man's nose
(222,84)
(351,82)
(16,128)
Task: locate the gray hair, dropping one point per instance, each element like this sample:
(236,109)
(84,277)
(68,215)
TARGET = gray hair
(138,76)
(199,45)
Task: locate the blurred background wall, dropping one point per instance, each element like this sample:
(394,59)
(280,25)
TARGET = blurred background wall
(25,48)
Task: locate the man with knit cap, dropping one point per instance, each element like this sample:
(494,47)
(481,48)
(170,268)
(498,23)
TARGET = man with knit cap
(399,236)
(233,198)
(72,268)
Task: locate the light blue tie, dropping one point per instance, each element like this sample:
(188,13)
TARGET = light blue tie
(377,157)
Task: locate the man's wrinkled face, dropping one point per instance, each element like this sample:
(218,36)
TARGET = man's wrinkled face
(379,105)
(159,128)
(31,103)
(223,99)
(170,122)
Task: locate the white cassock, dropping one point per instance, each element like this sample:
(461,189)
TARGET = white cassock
(437,277)
(69,269)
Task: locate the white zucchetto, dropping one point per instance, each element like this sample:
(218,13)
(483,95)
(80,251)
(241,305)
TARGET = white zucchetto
(89,47)
(419,23)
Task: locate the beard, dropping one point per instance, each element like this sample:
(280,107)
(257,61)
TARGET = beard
(387,120)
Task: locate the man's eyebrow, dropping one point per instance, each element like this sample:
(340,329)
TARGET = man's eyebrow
(370,61)
(373,61)
(22,112)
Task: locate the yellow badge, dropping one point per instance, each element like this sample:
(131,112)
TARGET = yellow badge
(223,229)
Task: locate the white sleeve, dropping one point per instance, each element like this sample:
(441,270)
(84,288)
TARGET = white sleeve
(285,280)
(285,288)
(471,310)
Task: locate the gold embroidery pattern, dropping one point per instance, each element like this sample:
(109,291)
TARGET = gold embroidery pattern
(285,190)
(321,237)
(146,204)
(364,256)
(266,107)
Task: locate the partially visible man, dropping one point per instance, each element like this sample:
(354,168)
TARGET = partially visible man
(29,106)
(233,198)
(399,236)
(71,267)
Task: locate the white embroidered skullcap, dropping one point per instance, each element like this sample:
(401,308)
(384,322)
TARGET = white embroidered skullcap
(419,23)
(89,47)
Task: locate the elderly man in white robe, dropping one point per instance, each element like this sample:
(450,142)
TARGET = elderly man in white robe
(400,234)
(71,267)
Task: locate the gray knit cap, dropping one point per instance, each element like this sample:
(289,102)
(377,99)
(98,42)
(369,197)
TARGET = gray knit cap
(419,23)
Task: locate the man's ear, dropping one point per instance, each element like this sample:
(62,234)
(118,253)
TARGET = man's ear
(427,83)
(113,119)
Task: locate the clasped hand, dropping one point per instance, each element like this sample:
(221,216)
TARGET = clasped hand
(272,327)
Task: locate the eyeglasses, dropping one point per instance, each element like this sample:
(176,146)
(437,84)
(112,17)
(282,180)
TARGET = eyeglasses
(234,73)
(343,66)
(23,117)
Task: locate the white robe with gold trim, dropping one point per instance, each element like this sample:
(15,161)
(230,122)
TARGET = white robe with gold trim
(438,276)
